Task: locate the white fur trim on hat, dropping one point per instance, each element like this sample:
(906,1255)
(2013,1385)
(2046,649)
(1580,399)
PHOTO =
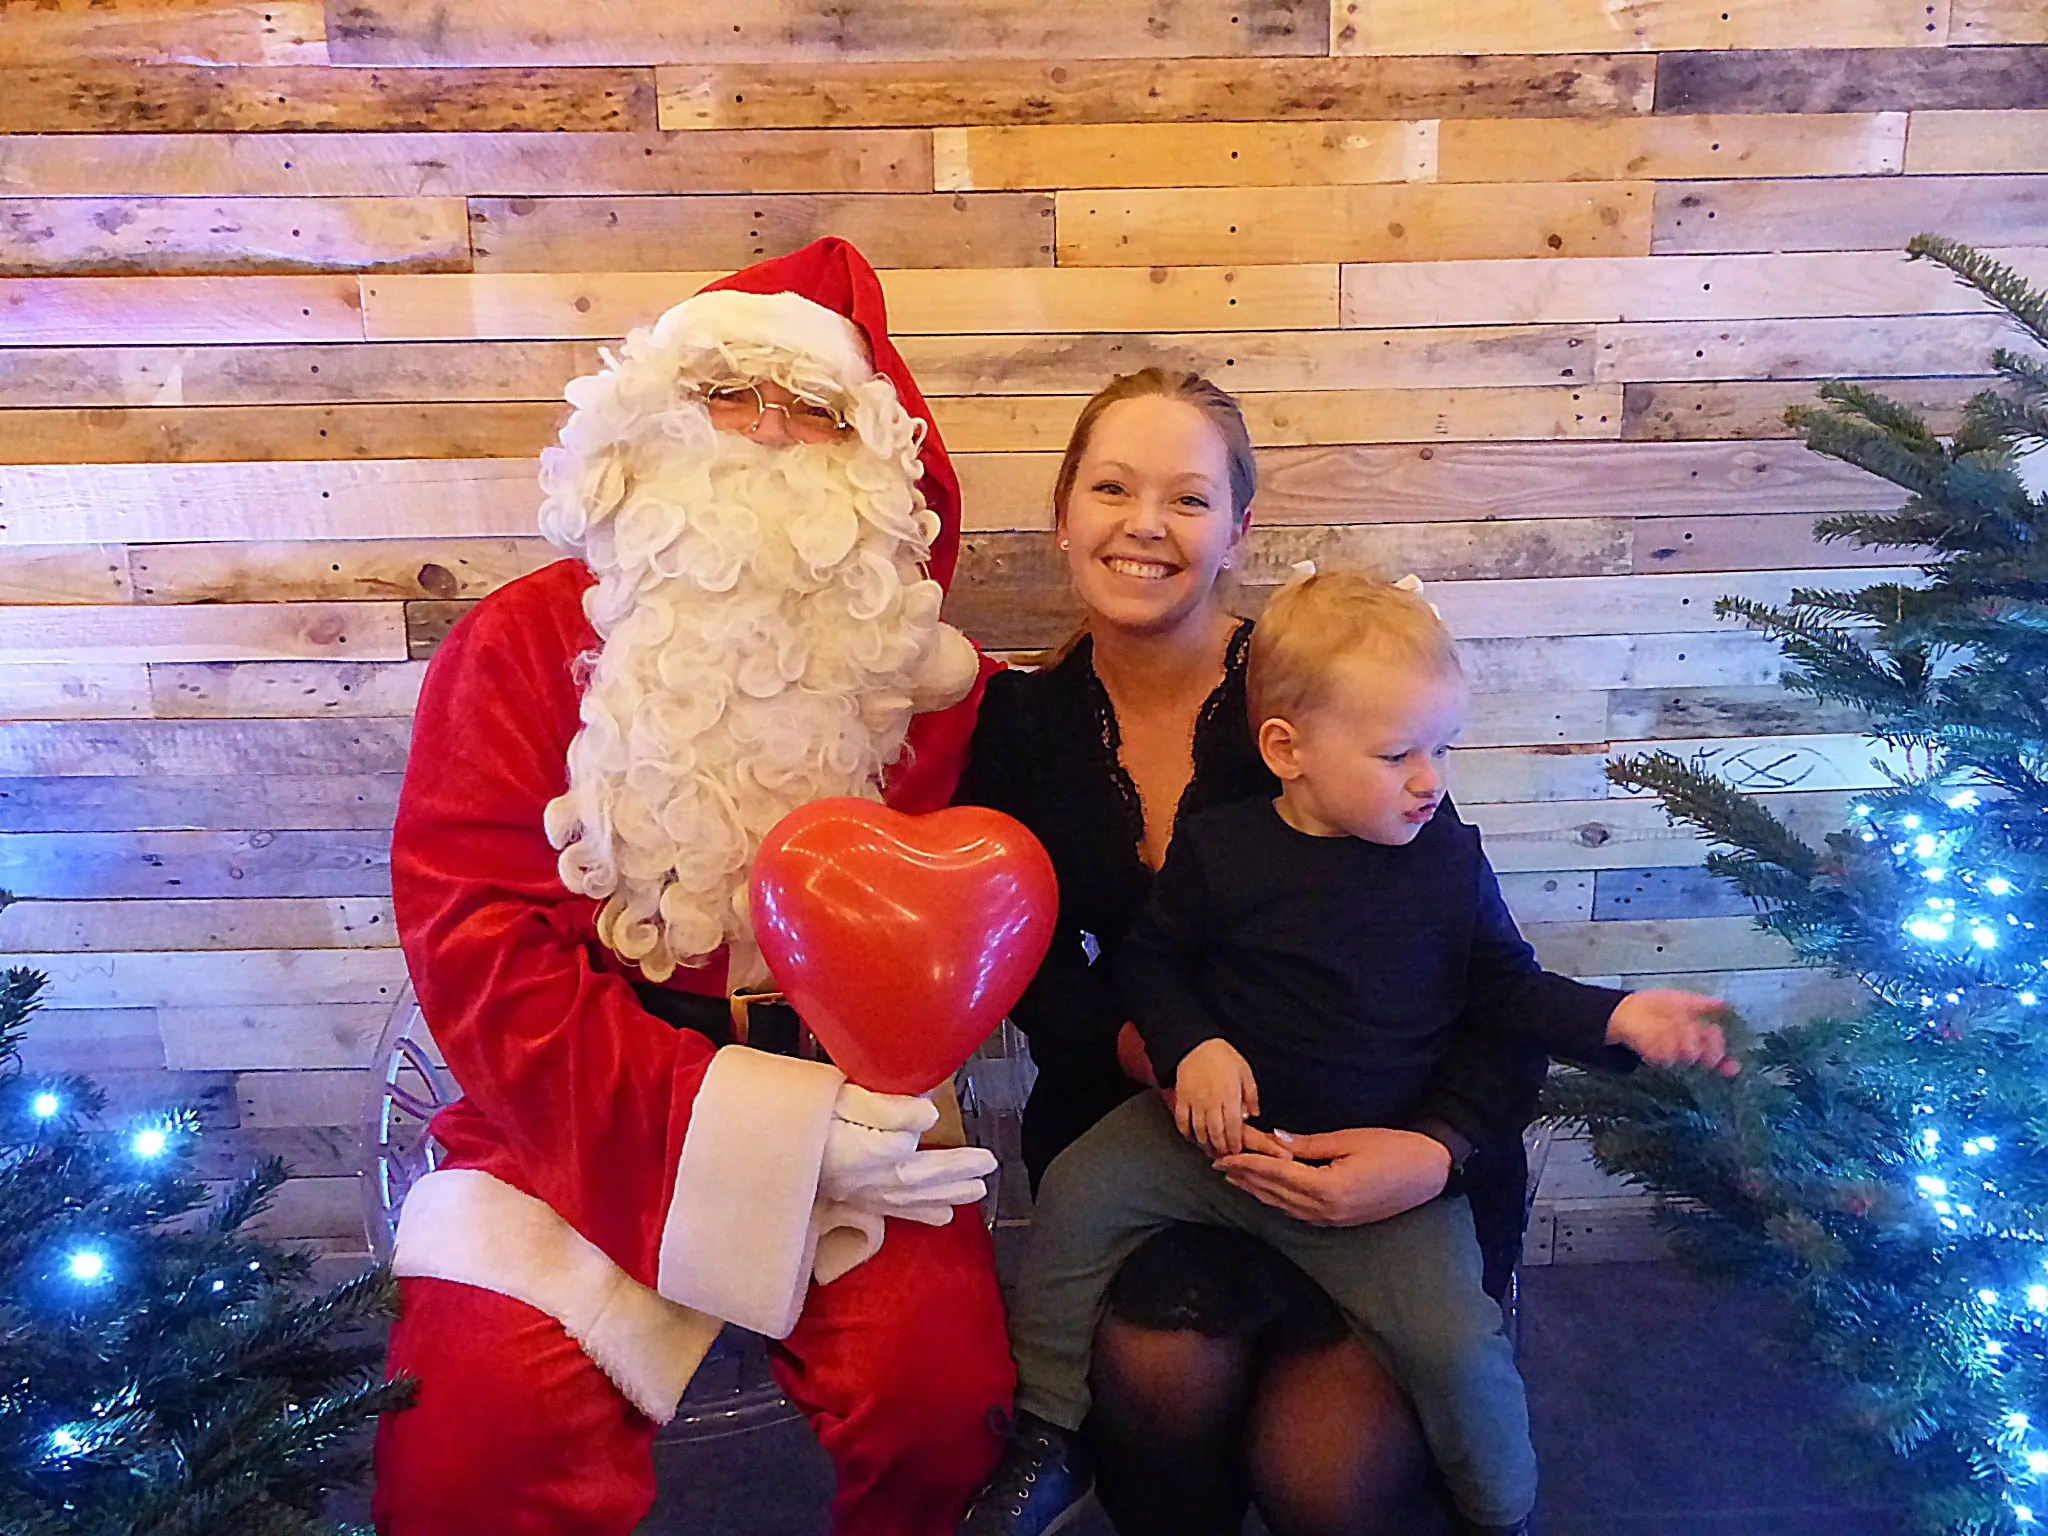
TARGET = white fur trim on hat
(785,322)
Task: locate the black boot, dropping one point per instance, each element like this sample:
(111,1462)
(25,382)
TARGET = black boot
(1039,1486)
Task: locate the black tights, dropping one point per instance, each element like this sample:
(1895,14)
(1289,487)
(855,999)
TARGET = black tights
(1189,1431)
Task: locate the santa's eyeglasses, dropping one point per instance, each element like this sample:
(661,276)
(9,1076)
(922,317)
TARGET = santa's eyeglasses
(740,407)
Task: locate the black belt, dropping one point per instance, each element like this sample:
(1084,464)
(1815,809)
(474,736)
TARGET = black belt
(770,1024)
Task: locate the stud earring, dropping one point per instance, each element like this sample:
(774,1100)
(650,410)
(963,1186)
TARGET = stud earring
(1066,543)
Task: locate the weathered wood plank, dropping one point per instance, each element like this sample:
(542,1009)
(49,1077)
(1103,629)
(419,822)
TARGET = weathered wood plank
(1767,999)
(1800,349)
(1465,480)
(27,927)
(1605,834)
(1826,214)
(122,803)
(82,311)
(258,1037)
(1659,288)
(88,97)
(309,1097)
(1769,763)
(427,624)
(74,690)
(1554,664)
(1725,409)
(995,91)
(1665,148)
(921,301)
(1252,362)
(313,1154)
(63,573)
(201,748)
(125,236)
(788,32)
(362,373)
(1389,483)
(1745,542)
(463,164)
(1477,26)
(239,632)
(194,434)
(2000,21)
(664,234)
(1486,775)
(1955,143)
(1012,585)
(282,689)
(1651,713)
(1185,155)
(137,1092)
(350,570)
(64,865)
(1644,894)
(91,1040)
(323,1209)
(175,503)
(1549,897)
(1535,719)
(224,978)
(162,31)
(1394,223)
(1039,423)
(1852,79)
(1627,948)
(1003,610)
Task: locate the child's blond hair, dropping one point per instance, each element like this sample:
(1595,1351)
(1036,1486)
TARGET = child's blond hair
(1314,623)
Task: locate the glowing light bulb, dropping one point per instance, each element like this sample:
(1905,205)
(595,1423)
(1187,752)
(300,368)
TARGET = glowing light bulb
(1994,1348)
(1988,1143)
(1985,938)
(2024,1515)
(2027,999)
(1988,1297)
(1930,1185)
(2037,1297)
(66,1442)
(1967,800)
(1933,874)
(2037,1462)
(46,1105)
(86,1264)
(1998,886)
(1910,823)
(1925,928)
(221,1285)
(150,1142)
(2016,1421)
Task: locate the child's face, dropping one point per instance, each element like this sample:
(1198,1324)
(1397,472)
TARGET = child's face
(1369,760)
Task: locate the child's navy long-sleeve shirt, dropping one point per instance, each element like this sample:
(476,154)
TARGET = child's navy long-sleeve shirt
(1338,967)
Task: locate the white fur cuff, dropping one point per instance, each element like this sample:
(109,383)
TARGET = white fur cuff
(740,1239)
(463,1225)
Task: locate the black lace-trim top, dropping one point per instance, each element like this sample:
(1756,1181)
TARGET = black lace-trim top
(1046,751)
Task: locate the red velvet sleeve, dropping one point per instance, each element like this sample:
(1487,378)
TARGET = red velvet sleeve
(572,1092)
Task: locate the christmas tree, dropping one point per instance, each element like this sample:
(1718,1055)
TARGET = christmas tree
(1887,1173)
(162,1372)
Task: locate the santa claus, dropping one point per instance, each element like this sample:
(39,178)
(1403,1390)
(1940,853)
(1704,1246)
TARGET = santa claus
(759,520)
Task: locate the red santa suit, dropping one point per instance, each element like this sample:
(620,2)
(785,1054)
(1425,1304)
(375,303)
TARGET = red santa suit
(615,1189)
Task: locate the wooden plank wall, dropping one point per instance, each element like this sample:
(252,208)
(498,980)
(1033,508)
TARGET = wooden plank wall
(1514,294)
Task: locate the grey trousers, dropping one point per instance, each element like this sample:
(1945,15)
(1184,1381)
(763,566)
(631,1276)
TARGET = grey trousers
(1412,1283)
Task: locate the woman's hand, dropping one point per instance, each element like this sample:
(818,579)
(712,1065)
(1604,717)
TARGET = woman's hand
(1130,1055)
(1344,1178)
(1213,1091)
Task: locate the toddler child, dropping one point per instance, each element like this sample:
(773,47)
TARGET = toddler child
(1306,962)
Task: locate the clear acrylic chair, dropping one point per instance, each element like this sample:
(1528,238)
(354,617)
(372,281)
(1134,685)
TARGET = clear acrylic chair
(733,1391)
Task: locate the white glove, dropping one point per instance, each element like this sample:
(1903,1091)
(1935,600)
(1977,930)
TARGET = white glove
(873,1164)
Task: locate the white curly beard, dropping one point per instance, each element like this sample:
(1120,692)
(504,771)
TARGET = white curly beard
(767,630)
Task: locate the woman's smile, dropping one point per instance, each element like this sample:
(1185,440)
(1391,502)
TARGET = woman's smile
(1139,568)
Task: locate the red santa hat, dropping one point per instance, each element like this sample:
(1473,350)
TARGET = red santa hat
(832,276)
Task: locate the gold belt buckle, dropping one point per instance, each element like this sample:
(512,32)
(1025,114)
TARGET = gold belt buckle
(740,1002)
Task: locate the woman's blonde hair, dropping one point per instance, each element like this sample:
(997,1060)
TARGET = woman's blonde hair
(1219,406)
(1313,624)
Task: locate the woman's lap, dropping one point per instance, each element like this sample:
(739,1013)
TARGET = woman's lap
(1222,1372)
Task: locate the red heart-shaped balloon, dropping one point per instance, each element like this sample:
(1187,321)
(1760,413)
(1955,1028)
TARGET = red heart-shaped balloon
(901,940)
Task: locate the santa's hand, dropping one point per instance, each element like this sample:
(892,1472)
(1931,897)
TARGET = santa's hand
(872,1162)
